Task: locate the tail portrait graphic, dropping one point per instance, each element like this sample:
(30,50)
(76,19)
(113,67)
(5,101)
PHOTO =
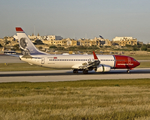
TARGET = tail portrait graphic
(26,44)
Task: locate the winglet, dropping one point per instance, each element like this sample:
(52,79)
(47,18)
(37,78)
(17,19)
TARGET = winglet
(19,29)
(95,56)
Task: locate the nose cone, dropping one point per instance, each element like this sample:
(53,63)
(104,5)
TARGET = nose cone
(137,63)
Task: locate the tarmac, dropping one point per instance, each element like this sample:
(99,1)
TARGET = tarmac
(67,75)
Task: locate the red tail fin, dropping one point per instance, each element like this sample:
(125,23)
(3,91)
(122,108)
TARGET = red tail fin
(95,56)
(19,29)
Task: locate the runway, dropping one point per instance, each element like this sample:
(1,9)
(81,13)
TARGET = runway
(67,75)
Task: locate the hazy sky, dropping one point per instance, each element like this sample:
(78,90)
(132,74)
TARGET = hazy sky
(77,18)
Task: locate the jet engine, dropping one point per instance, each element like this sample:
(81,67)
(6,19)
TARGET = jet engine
(103,68)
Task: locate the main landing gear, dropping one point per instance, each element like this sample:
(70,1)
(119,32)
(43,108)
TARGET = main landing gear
(75,71)
(84,71)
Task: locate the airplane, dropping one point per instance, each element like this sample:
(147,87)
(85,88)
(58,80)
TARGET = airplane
(85,63)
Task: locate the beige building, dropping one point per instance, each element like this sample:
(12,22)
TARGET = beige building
(59,41)
(2,42)
(74,42)
(33,37)
(84,42)
(102,42)
(11,41)
(95,42)
(54,40)
(71,42)
(54,37)
(63,42)
(121,38)
(123,41)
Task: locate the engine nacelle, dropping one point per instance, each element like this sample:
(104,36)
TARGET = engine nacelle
(103,68)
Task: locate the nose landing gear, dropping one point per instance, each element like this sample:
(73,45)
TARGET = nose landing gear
(128,71)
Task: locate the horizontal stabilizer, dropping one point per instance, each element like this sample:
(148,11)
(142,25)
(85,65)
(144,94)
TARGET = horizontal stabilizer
(26,56)
(12,55)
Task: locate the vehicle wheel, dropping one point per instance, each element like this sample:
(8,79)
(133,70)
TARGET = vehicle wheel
(75,71)
(128,71)
(85,71)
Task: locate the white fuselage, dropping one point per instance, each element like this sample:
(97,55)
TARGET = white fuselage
(68,61)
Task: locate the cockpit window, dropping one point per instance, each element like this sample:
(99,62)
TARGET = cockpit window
(134,60)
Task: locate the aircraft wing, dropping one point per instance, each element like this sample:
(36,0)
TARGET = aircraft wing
(91,64)
(12,55)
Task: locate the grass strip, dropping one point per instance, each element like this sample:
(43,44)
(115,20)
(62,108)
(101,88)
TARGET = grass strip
(21,67)
(144,65)
(77,100)
(140,57)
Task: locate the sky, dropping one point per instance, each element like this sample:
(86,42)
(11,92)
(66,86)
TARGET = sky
(77,18)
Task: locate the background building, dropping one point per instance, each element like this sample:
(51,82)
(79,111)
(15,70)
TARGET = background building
(123,41)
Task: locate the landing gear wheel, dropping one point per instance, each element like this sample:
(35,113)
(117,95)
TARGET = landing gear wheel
(85,71)
(75,71)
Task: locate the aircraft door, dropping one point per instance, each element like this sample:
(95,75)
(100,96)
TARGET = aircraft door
(42,60)
(89,60)
(129,61)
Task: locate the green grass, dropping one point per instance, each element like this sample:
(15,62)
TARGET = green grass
(80,100)
(140,57)
(144,65)
(21,67)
